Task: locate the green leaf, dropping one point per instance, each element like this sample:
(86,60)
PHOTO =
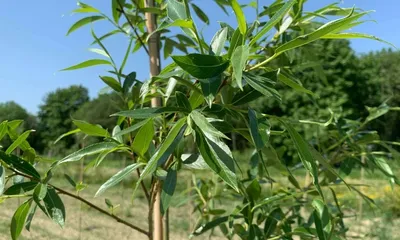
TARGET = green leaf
(271,199)
(319,33)
(305,154)
(70,180)
(168,189)
(202,66)
(218,157)
(290,81)
(99,51)
(210,88)
(239,59)
(210,225)
(40,192)
(165,150)
(350,35)
(19,218)
(237,40)
(111,82)
(54,207)
(83,22)
(116,9)
(87,151)
(272,221)
(18,141)
(128,51)
(375,112)
(19,164)
(176,10)
(240,18)
(259,129)
(196,99)
(273,21)
(107,35)
(88,63)
(67,134)
(118,177)
(185,24)
(143,138)
(91,129)
(19,188)
(30,217)
(247,95)
(170,88)
(3,129)
(218,41)
(318,226)
(128,82)
(382,165)
(2,179)
(183,101)
(254,190)
(131,128)
(200,14)
(85,8)
(262,85)
(201,121)
(144,113)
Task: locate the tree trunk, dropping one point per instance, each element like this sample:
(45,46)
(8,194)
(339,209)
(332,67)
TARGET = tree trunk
(155,221)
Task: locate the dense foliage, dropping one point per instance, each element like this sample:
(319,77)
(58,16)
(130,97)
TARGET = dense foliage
(242,84)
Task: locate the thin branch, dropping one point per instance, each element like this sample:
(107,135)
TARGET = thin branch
(133,28)
(61,191)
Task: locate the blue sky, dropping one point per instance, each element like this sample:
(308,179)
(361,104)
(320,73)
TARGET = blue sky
(34,46)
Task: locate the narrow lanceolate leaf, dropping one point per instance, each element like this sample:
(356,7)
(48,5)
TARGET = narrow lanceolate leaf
(262,85)
(259,129)
(40,192)
(185,24)
(117,178)
(327,28)
(210,88)
(3,129)
(91,129)
(305,155)
(375,112)
(19,164)
(54,207)
(143,138)
(351,35)
(165,150)
(183,101)
(83,22)
(290,81)
(176,10)
(87,151)
(202,66)
(19,218)
(240,18)
(116,9)
(20,188)
(99,51)
(210,225)
(382,165)
(112,83)
(318,226)
(209,130)
(168,189)
(218,41)
(67,134)
(85,8)
(130,129)
(218,157)
(237,40)
(144,113)
(2,179)
(247,95)
(88,63)
(18,141)
(273,21)
(239,59)
(109,34)
(30,217)
(272,221)
(200,14)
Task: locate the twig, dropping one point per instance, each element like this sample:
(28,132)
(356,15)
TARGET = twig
(61,191)
(133,28)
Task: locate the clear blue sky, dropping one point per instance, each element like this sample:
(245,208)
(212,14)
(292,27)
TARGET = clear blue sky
(33,45)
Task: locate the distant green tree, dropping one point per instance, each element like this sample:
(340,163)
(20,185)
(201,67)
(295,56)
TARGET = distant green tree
(382,69)
(55,114)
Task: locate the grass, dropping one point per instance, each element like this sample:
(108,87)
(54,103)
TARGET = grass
(85,223)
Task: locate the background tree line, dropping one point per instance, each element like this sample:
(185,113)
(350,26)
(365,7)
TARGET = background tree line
(343,82)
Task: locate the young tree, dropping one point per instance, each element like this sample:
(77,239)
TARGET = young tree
(219,79)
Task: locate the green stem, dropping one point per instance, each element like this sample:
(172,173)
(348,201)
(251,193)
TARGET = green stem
(264,62)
